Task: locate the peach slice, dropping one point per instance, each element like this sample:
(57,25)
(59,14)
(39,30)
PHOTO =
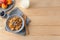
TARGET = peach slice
(9,2)
(0,5)
(4,6)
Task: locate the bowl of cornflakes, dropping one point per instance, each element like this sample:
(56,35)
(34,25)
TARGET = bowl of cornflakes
(15,23)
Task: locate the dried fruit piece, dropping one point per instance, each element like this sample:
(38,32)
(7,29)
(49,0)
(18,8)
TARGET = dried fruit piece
(4,6)
(9,2)
(0,5)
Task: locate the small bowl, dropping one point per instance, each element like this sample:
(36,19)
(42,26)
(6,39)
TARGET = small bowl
(3,14)
(9,7)
(16,30)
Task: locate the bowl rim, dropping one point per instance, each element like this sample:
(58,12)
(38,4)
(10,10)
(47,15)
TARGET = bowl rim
(21,26)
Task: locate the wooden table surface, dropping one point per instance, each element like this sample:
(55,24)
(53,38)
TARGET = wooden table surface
(45,21)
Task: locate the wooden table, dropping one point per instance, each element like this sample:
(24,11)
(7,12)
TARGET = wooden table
(45,21)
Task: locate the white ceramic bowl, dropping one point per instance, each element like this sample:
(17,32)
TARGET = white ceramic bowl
(16,30)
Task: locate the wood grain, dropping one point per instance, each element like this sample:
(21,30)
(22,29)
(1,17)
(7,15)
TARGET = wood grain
(45,21)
